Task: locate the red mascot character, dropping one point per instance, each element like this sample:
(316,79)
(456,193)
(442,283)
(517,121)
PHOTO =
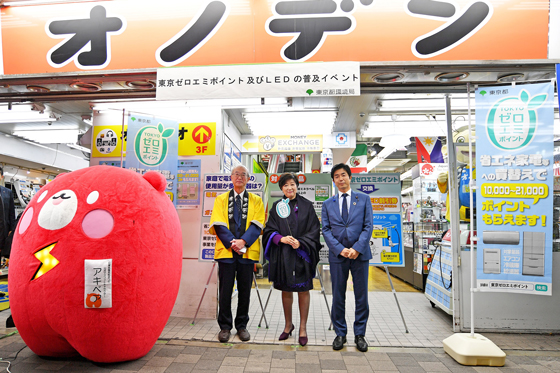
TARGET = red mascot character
(96,265)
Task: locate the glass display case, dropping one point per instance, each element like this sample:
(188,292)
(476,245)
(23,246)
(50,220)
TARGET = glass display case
(429,215)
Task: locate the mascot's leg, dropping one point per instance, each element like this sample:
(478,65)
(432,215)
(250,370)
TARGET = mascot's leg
(44,342)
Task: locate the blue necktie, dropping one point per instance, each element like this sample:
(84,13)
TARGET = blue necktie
(344,207)
(238,209)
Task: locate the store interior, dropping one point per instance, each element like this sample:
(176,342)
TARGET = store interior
(46,128)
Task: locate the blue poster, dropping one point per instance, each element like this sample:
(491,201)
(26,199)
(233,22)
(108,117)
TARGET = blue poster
(384,191)
(514,206)
(188,183)
(153,146)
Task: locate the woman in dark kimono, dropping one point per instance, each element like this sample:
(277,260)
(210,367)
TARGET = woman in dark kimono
(292,249)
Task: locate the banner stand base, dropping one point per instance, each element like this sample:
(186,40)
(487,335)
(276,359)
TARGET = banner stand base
(474,349)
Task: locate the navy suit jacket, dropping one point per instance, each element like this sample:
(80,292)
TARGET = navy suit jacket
(357,229)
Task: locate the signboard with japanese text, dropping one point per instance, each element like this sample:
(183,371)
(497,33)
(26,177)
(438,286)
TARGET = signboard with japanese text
(268,80)
(197,139)
(121,35)
(98,283)
(107,141)
(259,144)
(227,161)
(188,183)
(384,191)
(290,144)
(214,185)
(316,188)
(153,147)
(514,159)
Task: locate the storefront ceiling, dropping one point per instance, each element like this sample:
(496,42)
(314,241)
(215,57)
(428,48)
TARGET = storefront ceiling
(69,95)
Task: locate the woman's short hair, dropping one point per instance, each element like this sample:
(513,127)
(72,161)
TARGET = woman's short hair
(285,177)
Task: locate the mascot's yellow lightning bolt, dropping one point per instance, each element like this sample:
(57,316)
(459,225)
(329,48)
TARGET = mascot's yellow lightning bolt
(48,261)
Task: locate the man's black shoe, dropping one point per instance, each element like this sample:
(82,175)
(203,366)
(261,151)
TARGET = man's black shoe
(338,343)
(223,335)
(361,343)
(243,335)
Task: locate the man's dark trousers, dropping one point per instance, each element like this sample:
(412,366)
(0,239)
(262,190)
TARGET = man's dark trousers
(339,276)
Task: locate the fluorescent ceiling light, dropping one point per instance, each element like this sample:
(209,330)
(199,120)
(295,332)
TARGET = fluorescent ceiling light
(291,122)
(49,136)
(406,174)
(407,190)
(233,103)
(424,103)
(79,147)
(380,158)
(413,129)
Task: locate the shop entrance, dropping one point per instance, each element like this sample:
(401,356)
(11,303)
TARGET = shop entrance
(382,110)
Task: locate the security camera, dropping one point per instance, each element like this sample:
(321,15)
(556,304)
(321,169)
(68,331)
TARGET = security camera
(362,115)
(49,123)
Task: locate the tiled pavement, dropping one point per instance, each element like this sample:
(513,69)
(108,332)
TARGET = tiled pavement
(194,348)
(196,356)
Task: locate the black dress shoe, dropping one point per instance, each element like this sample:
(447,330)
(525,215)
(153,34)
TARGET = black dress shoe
(223,335)
(361,343)
(338,343)
(243,335)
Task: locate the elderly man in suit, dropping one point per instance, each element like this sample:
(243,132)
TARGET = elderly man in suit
(347,221)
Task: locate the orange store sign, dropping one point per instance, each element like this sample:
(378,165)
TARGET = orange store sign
(127,34)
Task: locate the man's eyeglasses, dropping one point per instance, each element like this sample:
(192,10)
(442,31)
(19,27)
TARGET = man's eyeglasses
(237,174)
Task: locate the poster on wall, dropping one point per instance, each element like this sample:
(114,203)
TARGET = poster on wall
(227,162)
(514,127)
(197,139)
(188,183)
(384,191)
(213,186)
(236,155)
(153,147)
(107,141)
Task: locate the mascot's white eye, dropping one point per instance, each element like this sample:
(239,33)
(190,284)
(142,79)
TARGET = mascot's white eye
(42,196)
(59,210)
(92,198)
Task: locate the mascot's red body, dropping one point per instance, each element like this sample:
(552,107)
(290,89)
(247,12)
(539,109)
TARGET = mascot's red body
(96,213)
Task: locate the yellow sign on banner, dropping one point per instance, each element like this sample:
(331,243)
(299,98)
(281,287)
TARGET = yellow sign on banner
(107,141)
(390,257)
(290,143)
(197,138)
(379,233)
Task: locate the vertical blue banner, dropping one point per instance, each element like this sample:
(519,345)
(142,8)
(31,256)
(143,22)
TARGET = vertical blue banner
(384,192)
(514,159)
(153,146)
(188,183)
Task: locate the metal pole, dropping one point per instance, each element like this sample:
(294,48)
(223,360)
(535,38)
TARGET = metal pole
(265,306)
(122,139)
(453,191)
(396,299)
(260,301)
(471,184)
(325,296)
(203,293)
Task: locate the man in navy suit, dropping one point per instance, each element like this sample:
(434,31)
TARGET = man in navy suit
(347,220)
